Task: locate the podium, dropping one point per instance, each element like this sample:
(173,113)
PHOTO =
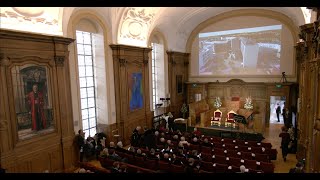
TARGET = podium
(181,121)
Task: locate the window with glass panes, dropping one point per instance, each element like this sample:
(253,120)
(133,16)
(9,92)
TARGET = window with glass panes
(87,82)
(154,75)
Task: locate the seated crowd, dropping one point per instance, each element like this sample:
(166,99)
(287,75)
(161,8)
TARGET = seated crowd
(161,150)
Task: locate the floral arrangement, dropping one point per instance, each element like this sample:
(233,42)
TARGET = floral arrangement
(184,109)
(248,104)
(217,102)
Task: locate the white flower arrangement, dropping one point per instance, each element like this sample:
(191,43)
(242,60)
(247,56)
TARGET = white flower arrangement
(248,104)
(217,102)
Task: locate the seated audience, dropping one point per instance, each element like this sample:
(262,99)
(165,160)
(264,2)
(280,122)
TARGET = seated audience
(196,133)
(116,167)
(190,167)
(206,143)
(297,169)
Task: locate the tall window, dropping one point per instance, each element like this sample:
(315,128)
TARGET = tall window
(157,73)
(87,82)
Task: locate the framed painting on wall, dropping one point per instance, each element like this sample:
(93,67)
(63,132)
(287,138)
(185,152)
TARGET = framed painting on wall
(32,100)
(179,84)
(135,87)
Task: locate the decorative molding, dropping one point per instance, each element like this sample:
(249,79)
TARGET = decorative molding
(4,61)
(186,63)
(122,62)
(135,25)
(145,62)
(59,60)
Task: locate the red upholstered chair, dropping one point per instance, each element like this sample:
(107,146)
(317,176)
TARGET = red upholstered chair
(247,155)
(221,168)
(262,158)
(227,141)
(257,150)
(232,153)
(266,145)
(230,120)
(240,142)
(234,161)
(139,161)
(176,169)
(151,164)
(272,153)
(251,164)
(220,159)
(207,166)
(206,150)
(206,157)
(229,146)
(164,166)
(216,119)
(235,169)
(267,167)
(218,151)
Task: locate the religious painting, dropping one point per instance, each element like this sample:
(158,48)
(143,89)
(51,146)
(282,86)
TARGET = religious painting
(179,84)
(32,100)
(135,87)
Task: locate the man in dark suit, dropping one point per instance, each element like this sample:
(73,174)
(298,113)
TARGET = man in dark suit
(278,111)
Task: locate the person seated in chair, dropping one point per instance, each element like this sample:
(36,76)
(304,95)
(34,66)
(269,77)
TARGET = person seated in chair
(176,161)
(139,153)
(119,147)
(111,145)
(196,133)
(180,152)
(152,155)
(113,155)
(116,167)
(190,167)
(195,141)
(123,168)
(194,155)
(206,143)
(297,169)
(166,158)
(162,143)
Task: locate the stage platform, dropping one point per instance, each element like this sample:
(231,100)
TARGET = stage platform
(225,132)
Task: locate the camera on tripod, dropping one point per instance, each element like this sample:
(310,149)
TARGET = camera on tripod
(283,78)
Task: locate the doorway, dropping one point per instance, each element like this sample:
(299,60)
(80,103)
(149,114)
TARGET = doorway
(276,101)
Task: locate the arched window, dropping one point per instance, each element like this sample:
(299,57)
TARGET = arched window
(87,81)
(91,75)
(158,75)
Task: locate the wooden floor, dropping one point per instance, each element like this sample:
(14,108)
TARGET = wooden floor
(271,135)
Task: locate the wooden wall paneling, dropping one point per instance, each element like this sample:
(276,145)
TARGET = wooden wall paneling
(307,53)
(178,65)
(33,154)
(129,59)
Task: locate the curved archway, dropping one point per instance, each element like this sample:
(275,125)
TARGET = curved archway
(159,62)
(244,12)
(231,19)
(103,69)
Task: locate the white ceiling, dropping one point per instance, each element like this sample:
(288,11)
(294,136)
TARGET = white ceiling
(175,23)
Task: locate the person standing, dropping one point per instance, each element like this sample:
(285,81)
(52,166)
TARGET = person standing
(80,142)
(285,139)
(36,103)
(278,111)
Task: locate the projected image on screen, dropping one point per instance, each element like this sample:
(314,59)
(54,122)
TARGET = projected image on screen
(250,51)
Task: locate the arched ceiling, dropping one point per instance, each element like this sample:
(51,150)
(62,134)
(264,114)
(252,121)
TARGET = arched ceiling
(133,25)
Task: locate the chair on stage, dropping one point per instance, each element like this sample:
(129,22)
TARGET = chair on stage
(216,119)
(230,120)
